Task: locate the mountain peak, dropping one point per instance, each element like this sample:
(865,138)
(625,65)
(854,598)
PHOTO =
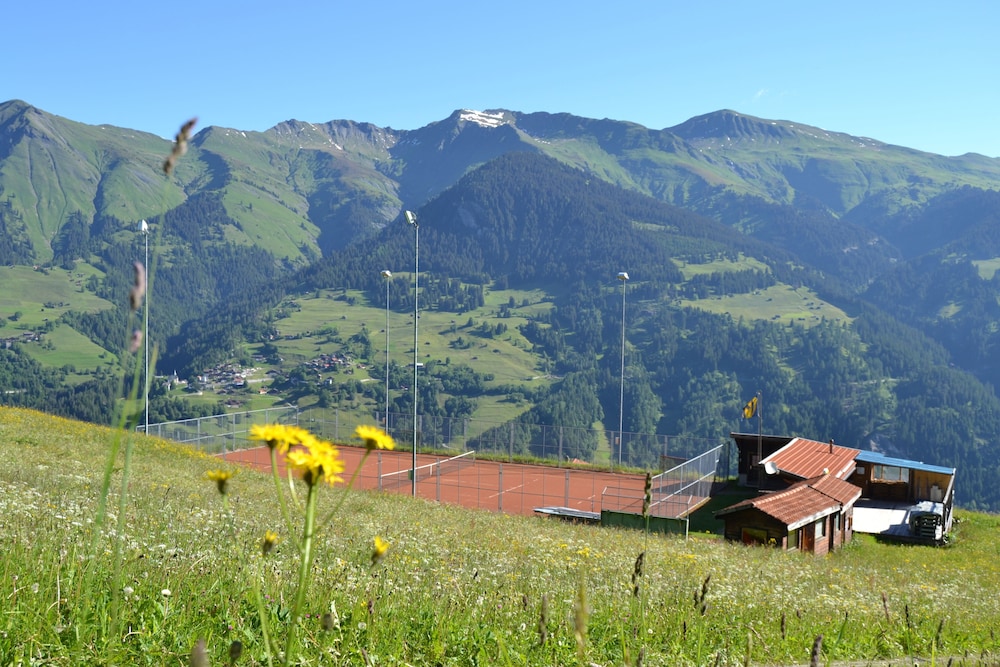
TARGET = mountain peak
(729,125)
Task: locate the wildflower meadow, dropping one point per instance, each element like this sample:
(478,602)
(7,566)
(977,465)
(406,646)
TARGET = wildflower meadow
(215,578)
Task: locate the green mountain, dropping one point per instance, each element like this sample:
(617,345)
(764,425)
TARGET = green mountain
(850,281)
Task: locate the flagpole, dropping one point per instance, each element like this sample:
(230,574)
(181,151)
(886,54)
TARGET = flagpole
(760,429)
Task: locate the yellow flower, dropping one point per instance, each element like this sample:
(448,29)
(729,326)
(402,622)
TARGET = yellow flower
(374,438)
(220,477)
(317,460)
(270,539)
(381,546)
(279,436)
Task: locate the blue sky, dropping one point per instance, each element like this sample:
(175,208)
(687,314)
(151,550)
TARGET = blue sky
(918,74)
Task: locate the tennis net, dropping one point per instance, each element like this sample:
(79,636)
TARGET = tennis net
(394,480)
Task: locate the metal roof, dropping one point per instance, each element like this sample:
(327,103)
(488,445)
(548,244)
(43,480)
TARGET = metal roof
(805,459)
(882,459)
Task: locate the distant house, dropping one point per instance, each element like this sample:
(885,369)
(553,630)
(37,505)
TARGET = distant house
(813,515)
(897,498)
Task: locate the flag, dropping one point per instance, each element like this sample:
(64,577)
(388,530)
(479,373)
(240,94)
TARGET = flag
(750,409)
(143,226)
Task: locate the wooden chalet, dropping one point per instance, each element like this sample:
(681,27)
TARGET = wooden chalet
(813,515)
(896,498)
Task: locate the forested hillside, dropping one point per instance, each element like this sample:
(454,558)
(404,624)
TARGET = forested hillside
(853,284)
(863,379)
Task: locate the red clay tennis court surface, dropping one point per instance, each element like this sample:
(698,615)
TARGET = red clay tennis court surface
(513,488)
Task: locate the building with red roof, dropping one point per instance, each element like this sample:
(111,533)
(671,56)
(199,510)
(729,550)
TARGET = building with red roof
(813,515)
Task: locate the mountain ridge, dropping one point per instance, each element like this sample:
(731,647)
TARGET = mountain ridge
(762,254)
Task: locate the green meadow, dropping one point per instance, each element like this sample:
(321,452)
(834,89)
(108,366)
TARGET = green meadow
(779,303)
(176,562)
(326,320)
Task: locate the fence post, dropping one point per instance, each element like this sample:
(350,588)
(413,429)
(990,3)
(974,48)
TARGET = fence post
(437,490)
(566,503)
(560,445)
(500,489)
(510,445)
(378,468)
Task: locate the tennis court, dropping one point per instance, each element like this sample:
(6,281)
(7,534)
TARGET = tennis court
(513,488)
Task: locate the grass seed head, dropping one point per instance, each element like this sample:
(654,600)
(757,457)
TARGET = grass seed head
(138,290)
(199,656)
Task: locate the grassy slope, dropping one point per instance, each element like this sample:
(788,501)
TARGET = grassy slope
(506,357)
(457,586)
(27,291)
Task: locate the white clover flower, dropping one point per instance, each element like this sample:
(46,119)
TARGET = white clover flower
(128,590)
(165,592)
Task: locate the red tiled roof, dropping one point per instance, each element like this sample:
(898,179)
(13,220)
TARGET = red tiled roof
(802,502)
(805,459)
(843,492)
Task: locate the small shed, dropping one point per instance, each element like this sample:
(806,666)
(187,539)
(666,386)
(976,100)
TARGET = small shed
(751,450)
(814,515)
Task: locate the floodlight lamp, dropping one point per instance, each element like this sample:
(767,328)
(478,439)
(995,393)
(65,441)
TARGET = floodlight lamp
(411,217)
(386,273)
(622,276)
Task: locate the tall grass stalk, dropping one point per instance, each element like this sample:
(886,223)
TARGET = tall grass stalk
(124,419)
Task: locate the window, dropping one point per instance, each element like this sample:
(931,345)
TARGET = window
(795,539)
(820,528)
(885,473)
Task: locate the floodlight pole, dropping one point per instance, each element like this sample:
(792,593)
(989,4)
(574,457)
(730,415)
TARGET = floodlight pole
(144,228)
(623,277)
(387,275)
(411,218)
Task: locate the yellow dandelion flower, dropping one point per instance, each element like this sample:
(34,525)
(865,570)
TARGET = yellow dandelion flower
(220,477)
(317,461)
(270,539)
(279,436)
(374,438)
(381,547)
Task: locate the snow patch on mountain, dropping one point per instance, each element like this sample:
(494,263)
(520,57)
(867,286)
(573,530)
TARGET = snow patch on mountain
(482,118)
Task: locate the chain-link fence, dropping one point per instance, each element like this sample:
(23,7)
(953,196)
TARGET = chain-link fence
(222,433)
(513,440)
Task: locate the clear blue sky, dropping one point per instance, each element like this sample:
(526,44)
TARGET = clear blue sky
(920,74)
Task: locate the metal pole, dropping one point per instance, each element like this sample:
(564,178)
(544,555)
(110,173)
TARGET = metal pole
(145,329)
(387,275)
(411,218)
(623,277)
